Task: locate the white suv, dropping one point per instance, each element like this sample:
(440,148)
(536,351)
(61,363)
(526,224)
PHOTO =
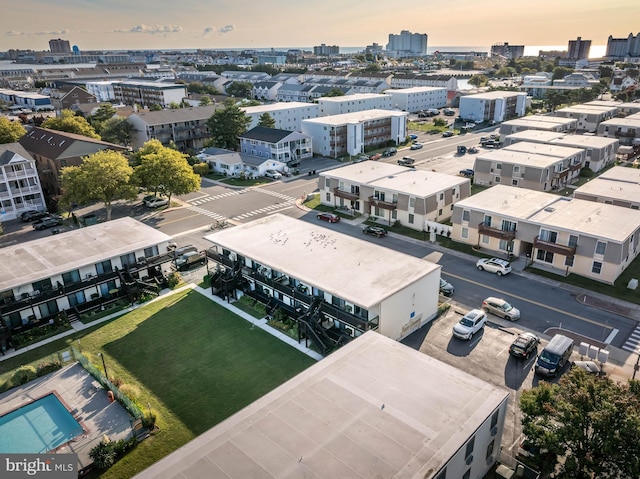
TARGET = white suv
(494,265)
(470,324)
(272,174)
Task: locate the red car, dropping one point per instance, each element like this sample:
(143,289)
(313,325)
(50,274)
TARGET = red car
(330,217)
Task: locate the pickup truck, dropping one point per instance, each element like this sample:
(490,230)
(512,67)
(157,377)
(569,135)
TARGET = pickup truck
(406,161)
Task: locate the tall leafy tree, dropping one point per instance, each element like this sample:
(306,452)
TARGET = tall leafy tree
(204,101)
(164,170)
(71,123)
(266,120)
(104,112)
(10,131)
(117,130)
(104,176)
(587,426)
(240,89)
(227,124)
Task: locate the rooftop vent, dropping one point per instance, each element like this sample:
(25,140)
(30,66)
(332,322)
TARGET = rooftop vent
(549,209)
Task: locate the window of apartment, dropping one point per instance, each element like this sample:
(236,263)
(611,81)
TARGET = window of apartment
(71,277)
(465,232)
(496,179)
(411,218)
(151,252)
(42,285)
(494,419)
(490,449)
(601,247)
(104,267)
(548,236)
(465,215)
(469,449)
(486,239)
(412,202)
(498,166)
(516,169)
(545,256)
(514,182)
(129,258)
(504,245)
(596,267)
(568,261)
(573,240)
(327,182)
(328,196)
(441,196)
(48,308)
(394,215)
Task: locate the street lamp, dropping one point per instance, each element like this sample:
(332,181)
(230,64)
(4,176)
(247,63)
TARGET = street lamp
(104,365)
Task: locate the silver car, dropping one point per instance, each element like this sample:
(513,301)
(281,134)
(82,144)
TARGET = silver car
(500,307)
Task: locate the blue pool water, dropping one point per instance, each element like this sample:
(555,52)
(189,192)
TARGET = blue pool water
(37,427)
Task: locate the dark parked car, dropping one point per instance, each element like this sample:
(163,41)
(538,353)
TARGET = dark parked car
(375,231)
(406,161)
(524,345)
(48,222)
(330,217)
(447,134)
(33,215)
(446,288)
(467,172)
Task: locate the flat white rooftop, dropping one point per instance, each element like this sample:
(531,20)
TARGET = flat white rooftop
(414,90)
(541,120)
(352,98)
(535,135)
(347,267)
(373,409)
(419,183)
(586,141)
(508,201)
(365,171)
(494,95)
(631,120)
(588,109)
(546,149)
(56,254)
(356,117)
(289,105)
(621,173)
(614,189)
(516,157)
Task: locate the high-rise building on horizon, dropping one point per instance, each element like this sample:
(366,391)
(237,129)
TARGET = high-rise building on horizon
(407,44)
(505,50)
(59,45)
(623,47)
(579,48)
(323,49)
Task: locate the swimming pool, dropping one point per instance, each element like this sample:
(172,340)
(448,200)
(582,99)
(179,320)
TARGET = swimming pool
(38,427)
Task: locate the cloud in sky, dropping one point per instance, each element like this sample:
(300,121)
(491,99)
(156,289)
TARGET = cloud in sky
(226,29)
(13,33)
(155,29)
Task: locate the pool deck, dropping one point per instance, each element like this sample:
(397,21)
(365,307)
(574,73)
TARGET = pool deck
(85,399)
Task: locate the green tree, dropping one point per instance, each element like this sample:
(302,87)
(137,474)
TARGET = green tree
(104,112)
(439,122)
(205,101)
(240,89)
(588,426)
(165,170)
(104,176)
(335,91)
(478,80)
(10,131)
(155,107)
(71,123)
(117,130)
(560,72)
(266,120)
(227,124)
(174,106)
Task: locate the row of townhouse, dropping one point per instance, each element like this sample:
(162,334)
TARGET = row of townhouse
(20,188)
(78,270)
(588,116)
(25,99)
(618,186)
(534,166)
(599,152)
(567,235)
(626,130)
(393,193)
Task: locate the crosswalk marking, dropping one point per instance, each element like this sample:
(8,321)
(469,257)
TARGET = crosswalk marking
(206,199)
(210,214)
(633,341)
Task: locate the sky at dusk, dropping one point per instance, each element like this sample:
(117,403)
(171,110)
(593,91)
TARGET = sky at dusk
(216,24)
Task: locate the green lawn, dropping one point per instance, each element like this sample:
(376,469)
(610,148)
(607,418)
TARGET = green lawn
(193,362)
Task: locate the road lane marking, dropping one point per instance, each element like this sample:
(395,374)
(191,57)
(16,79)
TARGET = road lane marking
(522,298)
(179,219)
(612,335)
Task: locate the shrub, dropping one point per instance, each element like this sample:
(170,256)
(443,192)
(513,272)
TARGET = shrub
(174,279)
(201,168)
(107,452)
(24,375)
(260,308)
(130,390)
(48,367)
(149,420)
(587,172)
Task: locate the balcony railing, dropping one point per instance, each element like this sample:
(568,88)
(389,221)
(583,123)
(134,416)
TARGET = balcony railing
(564,250)
(626,134)
(346,194)
(508,235)
(385,205)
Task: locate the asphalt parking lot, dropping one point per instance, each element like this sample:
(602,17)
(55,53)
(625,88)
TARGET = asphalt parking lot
(485,356)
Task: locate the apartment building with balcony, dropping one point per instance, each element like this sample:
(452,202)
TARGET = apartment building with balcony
(534,166)
(339,105)
(352,133)
(20,188)
(412,80)
(53,150)
(538,122)
(599,152)
(78,270)
(374,408)
(624,108)
(300,266)
(618,186)
(102,90)
(393,193)
(495,106)
(147,93)
(287,116)
(417,99)
(588,116)
(186,127)
(271,143)
(564,235)
(626,130)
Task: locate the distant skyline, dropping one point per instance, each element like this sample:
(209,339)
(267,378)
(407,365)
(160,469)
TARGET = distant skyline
(191,24)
